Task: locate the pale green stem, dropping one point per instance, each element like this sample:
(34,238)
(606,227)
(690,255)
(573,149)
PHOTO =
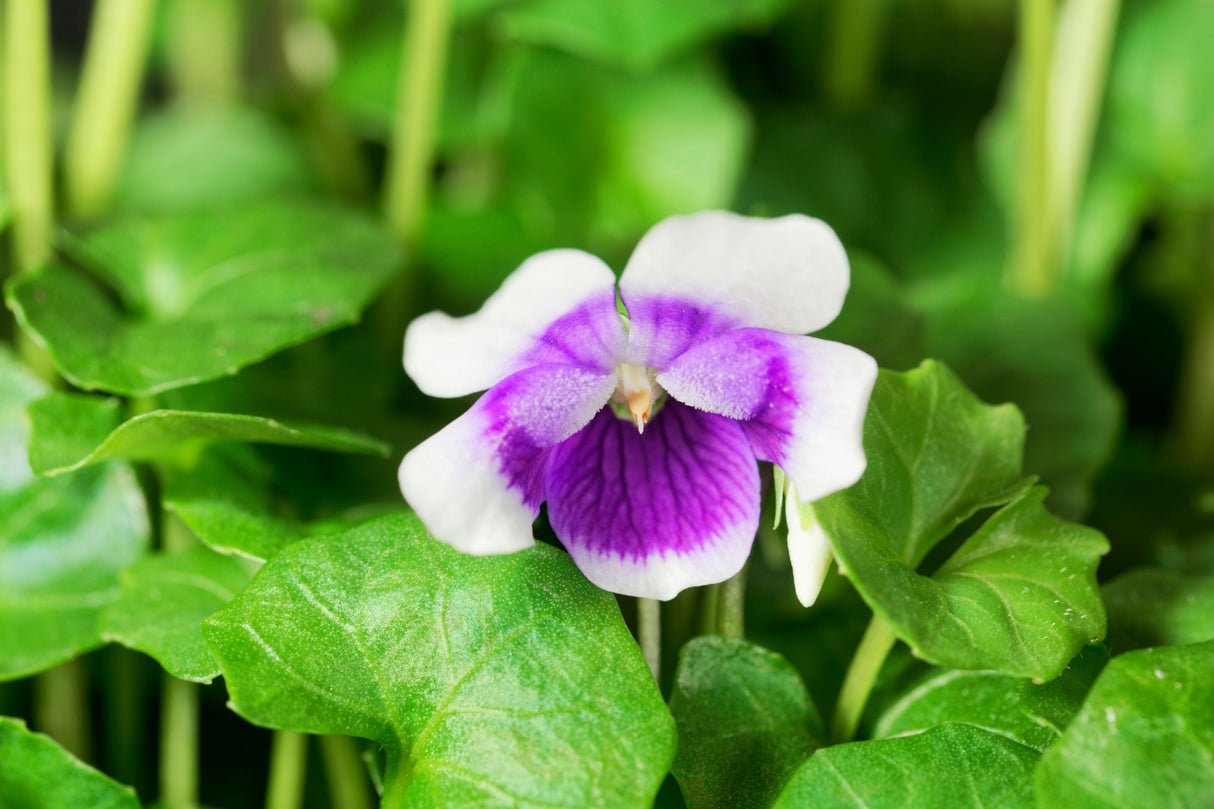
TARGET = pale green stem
(179,744)
(1080,61)
(710,609)
(348,781)
(861,675)
(853,51)
(28,140)
(1195,419)
(288,770)
(1033,269)
(733,606)
(205,49)
(649,633)
(105,105)
(61,708)
(418,106)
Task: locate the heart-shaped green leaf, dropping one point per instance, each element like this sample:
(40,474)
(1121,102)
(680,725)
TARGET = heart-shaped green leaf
(63,543)
(203,293)
(163,603)
(745,723)
(36,773)
(1144,738)
(1149,607)
(70,431)
(486,679)
(954,765)
(1019,595)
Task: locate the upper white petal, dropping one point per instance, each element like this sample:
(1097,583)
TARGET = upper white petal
(448,356)
(789,274)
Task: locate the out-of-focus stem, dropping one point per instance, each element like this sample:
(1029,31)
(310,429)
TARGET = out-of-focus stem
(348,782)
(870,655)
(288,770)
(733,606)
(61,707)
(1195,419)
(853,52)
(204,53)
(649,633)
(179,744)
(418,105)
(1033,269)
(105,105)
(28,139)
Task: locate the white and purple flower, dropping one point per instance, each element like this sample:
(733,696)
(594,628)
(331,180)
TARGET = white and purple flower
(643,433)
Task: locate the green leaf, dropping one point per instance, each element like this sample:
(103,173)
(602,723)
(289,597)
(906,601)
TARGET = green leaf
(1033,715)
(216,156)
(953,765)
(635,34)
(1019,595)
(745,723)
(63,543)
(877,317)
(1149,607)
(70,431)
(204,293)
(163,603)
(36,773)
(1144,738)
(487,679)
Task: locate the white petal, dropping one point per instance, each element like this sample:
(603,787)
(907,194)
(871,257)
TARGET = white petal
(808,549)
(789,274)
(559,306)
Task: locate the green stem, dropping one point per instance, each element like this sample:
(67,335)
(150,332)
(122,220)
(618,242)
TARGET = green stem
(348,787)
(179,744)
(61,707)
(28,140)
(1082,44)
(733,606)
(288,770)
(649,633)
(105,105)
(1033,268)
(418,105)
(1195,419)
(710,610)
(861,675)
(853,52)
(205,49)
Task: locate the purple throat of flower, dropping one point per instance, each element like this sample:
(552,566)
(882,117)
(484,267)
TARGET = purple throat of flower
(643,433)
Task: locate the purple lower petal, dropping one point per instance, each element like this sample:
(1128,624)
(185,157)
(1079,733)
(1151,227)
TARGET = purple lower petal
(663,328)
(649,515)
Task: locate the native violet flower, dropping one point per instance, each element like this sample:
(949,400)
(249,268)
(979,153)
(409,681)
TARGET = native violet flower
(643,432)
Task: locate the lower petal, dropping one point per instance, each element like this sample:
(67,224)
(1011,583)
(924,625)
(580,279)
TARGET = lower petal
(478,483)
(650,515)
(800,400)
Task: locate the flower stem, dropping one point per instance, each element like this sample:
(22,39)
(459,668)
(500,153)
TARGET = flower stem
(61,707)
(853,52)
(204,51)
(861,675)
(1195,420)
(649,633)
(418,105)
(1033,269)
(288,770)
(733,606)
(179,743)
(346,774)
(28,139)
(118,45)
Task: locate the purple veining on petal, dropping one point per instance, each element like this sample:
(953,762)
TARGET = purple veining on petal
(529,412)
(688,481)
(591,335)
(662,328)
(747,374)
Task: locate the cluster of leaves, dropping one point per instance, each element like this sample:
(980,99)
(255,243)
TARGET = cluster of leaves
(207,314)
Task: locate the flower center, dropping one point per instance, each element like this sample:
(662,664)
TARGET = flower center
(636,394)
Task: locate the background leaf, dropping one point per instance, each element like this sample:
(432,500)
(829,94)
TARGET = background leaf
(745,722)
(163,602)
(1150,607)
(483,677)
(952,765)
(70,431)
(204,293)
(1144,738)
(36,773)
